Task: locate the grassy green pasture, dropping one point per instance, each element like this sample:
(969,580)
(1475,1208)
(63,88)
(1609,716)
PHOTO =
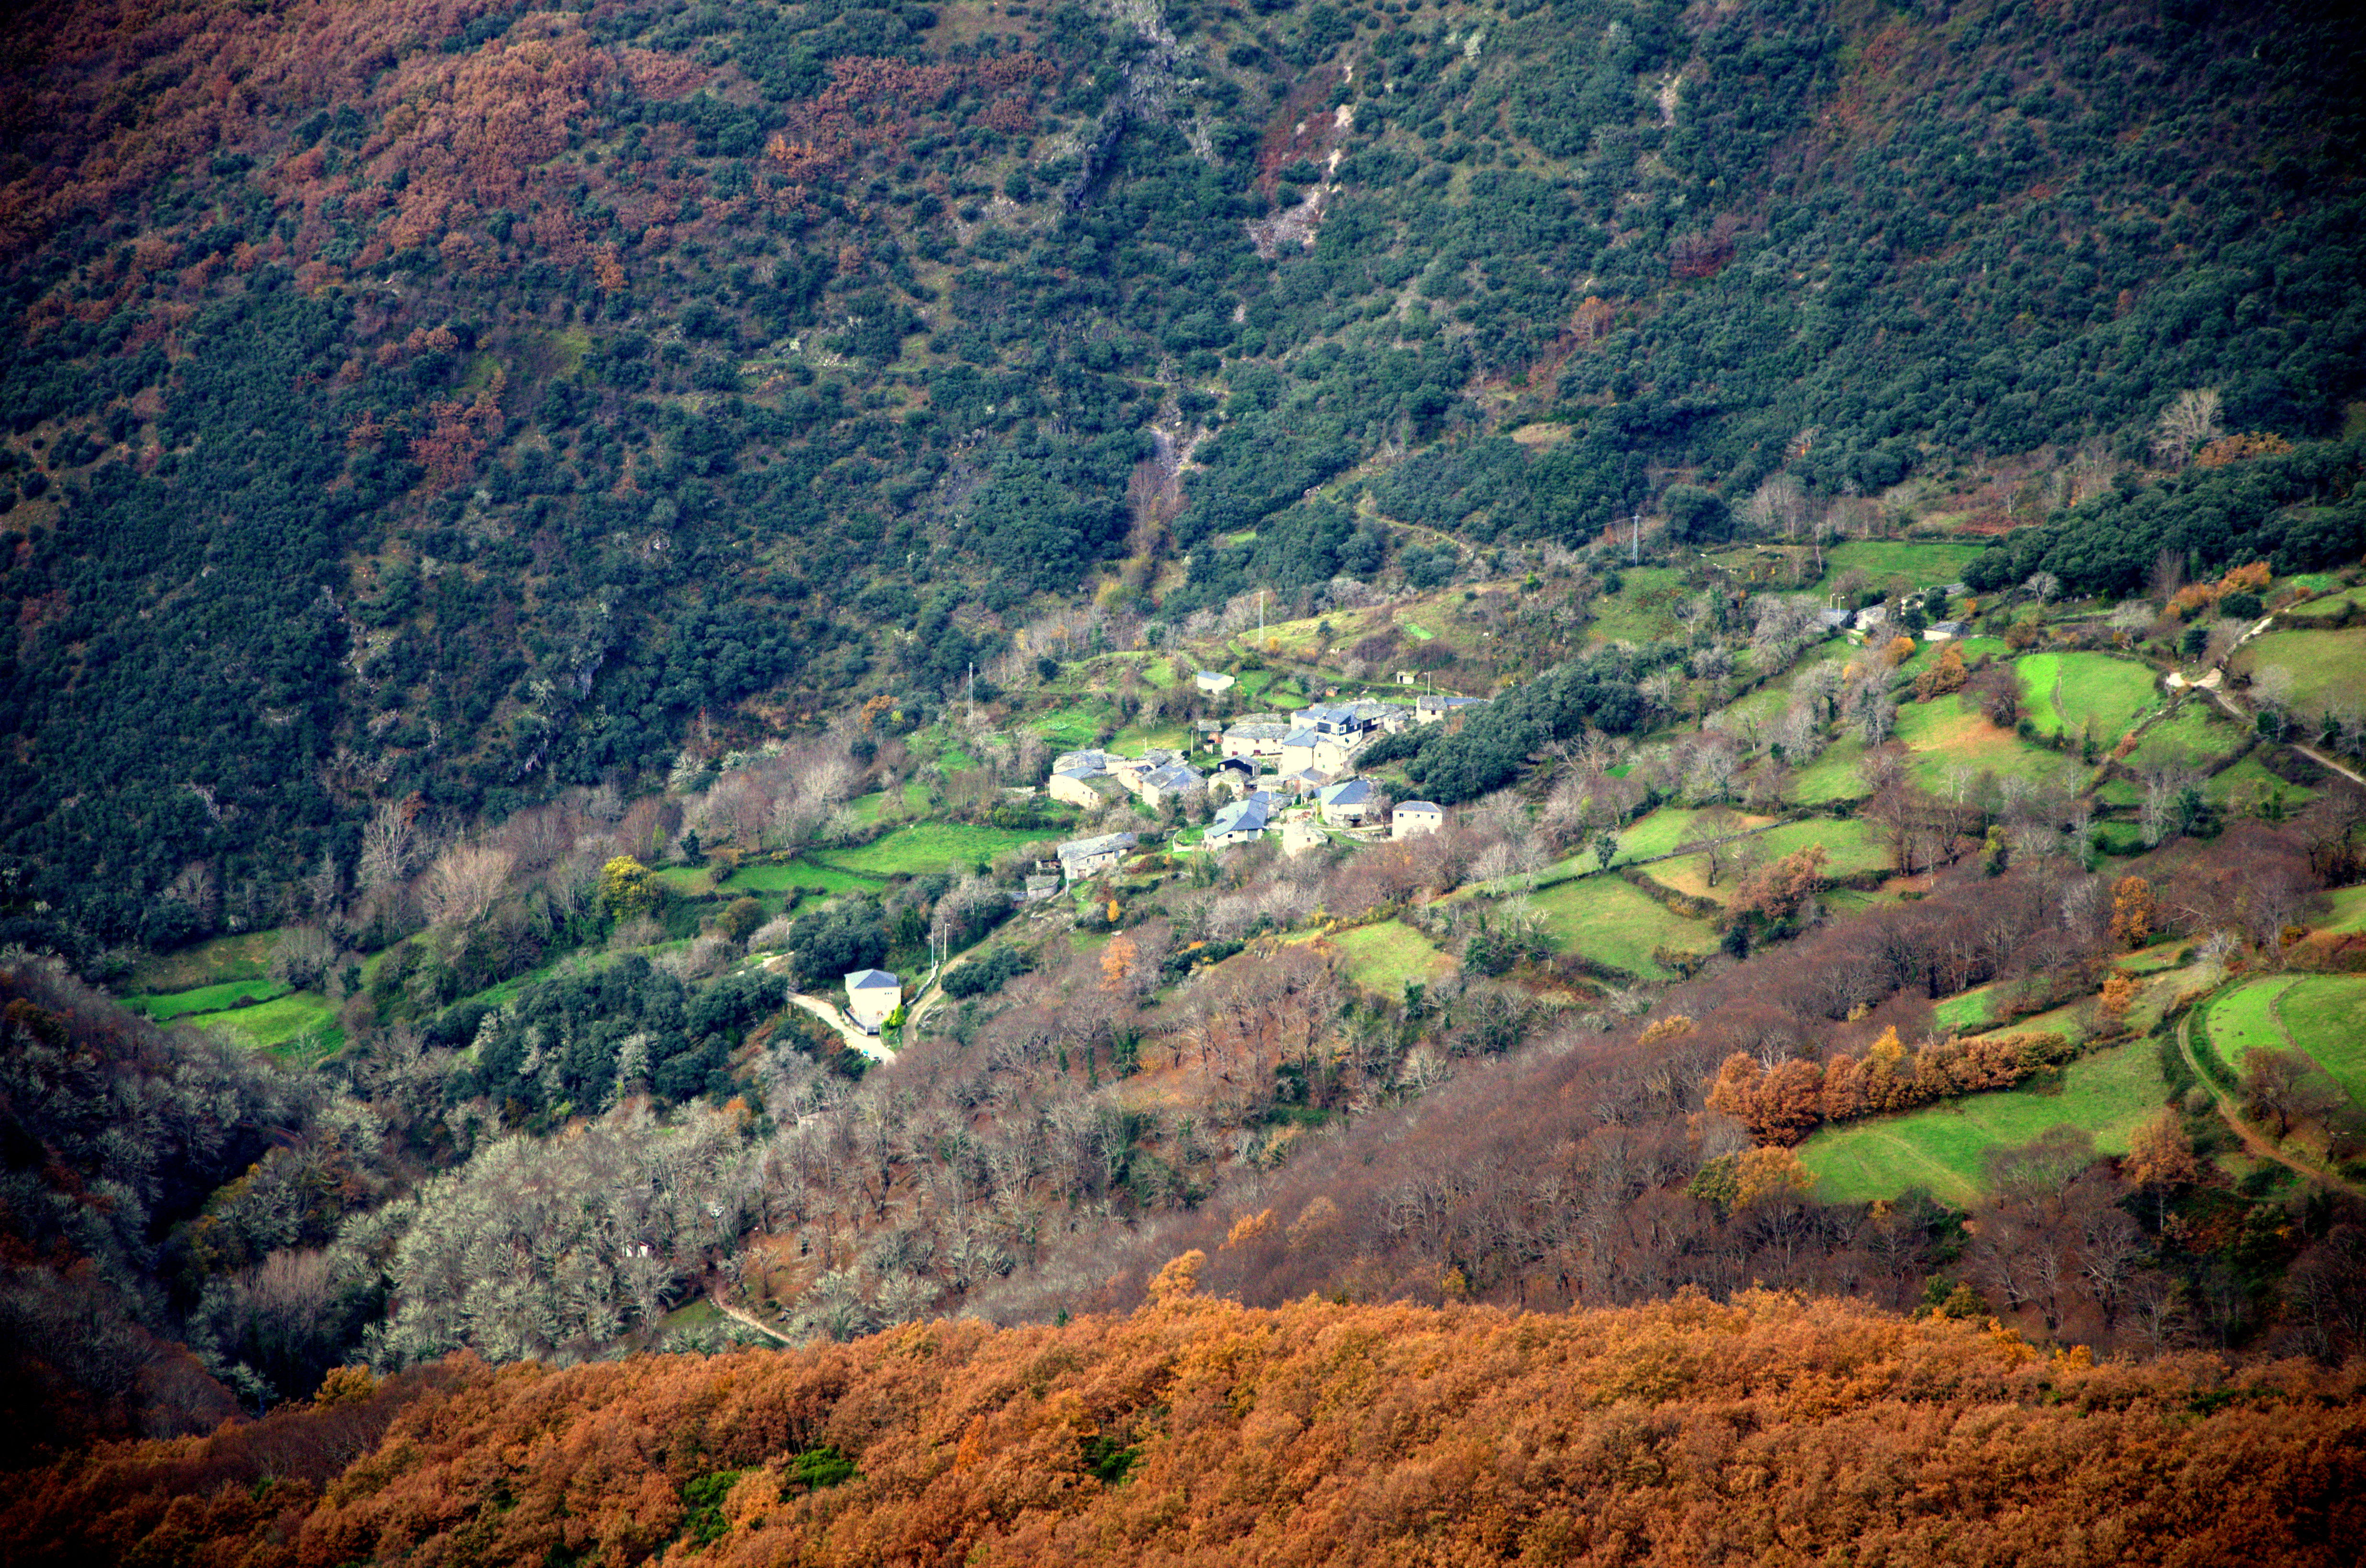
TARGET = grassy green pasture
(2325,1016)
(923,847)
(1913,563)
(1639,612)
(1610,923)
(2244,1020)
(2115,693)
(1944,1147)
(1851,845)
(2197,734)
(301,1025)
(203,999)
(780,878)
(1381,957)
(1944,736)
(2324,666)
(2248,785)
(2322,1015)
(1972,1011)
(2348,912)
(2327,607)
(1832,776)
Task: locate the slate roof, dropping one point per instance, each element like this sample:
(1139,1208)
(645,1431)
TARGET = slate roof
(1083,848)
(872,979)
(1249,814)
(1347,792)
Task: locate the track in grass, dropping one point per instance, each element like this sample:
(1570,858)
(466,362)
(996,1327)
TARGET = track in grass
(1943,1148)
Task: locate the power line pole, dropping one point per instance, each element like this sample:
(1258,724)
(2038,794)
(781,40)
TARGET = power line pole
(1634,539)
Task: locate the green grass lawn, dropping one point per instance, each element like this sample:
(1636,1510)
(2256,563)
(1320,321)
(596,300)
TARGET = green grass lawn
(2324,665)
(1914,562)
(2196,734)
(1832,776)
(779,878)
(687,881)
(1942,737)
(2247,785)
(1604,919)
(1639,612)
(300,1027)
(2324,607)
(2325,1016)
(923,847)
(1852,846)
(1383,958)
(2348,912)
(2244,1020)
(2111,692)
(203,999)
(1071,728)
(1944,1147)
(1972,1011)
(869,807)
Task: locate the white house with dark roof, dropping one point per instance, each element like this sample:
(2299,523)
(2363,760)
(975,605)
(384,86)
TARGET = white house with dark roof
(1299,835)
(1259,739)
(1242,821)
(872,996)
(1413,817)
(1082,858)
(1214,682)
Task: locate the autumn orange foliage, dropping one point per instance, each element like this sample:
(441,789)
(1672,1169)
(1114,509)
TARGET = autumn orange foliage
(1784,1104)
(1196,1431)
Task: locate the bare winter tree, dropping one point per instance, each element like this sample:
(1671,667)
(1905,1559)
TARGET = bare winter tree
(464,883)
(390,846)
(2191,421)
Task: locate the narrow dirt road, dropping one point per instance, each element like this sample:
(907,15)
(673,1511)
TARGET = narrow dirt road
(733,1313)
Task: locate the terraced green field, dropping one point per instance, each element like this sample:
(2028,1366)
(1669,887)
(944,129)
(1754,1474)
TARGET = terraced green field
(1831,777)
(2244,1020)
(1383,958)
(2324,665)
(1909,562)
(203,999)
(2195,735)
(1943,1148)
(779,878)
(2063,691)
(1611,924)
(2248,785)
(2347,911)
(923,847)
(1943,737)
(2323,1016)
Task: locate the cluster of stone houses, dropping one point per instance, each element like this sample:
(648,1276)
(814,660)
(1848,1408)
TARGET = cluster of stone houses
(1272,765)
(1097,778)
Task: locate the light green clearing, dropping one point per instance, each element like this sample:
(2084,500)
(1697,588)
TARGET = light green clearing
(2322,1015)
(687,881)
(1972,1011)
(1832,776)
(2349,911)
(1944,1147)
(1646,838)
(869,808)
(2248,784)
(1383,958)
(204,998)
(2325,667)
(2113,693)
(930,846)
(2324,607)
(2325,1016)
(1604,919)
(1919,562)
(778,878)
(2196,734)
(1992,647)
(301,1022)
(1943,737)
(1851,846)
(2244,1020)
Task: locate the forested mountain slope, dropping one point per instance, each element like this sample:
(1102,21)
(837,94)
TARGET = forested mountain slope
(1196,1431)
(435,403)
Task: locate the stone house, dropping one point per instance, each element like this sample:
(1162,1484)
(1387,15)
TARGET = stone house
(1084,857)
(1413,817)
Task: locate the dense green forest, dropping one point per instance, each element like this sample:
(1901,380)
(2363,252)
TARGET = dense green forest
(446,404)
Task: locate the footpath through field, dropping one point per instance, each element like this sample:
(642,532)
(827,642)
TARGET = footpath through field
(2254,1140)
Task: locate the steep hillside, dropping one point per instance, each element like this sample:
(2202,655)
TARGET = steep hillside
(1194,1432)
(432,403)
